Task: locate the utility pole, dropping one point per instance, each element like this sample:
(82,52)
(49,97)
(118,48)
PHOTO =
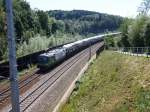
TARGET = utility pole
(12,57)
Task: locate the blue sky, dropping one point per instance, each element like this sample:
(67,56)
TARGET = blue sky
(126,8)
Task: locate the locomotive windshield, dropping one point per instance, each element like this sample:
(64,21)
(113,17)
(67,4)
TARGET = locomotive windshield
(42,59)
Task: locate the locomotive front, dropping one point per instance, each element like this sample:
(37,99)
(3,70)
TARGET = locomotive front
(51,58)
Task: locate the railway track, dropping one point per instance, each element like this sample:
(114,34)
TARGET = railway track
(5,94)
(28,99)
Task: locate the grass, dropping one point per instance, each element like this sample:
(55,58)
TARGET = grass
(114,83)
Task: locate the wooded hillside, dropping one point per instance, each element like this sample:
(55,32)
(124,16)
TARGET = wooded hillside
(85,22)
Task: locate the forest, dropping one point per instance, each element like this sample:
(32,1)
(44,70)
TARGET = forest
(37,30)
(85,22)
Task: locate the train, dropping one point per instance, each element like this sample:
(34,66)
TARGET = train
(55,56)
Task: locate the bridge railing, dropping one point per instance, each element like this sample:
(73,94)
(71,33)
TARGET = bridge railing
(132,50)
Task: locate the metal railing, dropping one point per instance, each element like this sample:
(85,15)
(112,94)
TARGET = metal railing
(136,51)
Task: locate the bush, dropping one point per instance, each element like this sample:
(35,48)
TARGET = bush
(42,42)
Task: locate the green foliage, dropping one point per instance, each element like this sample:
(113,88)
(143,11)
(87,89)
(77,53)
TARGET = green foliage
(113,42)
(23,18)
(42,43)
(109,42)
(44,22)
(84,22)
(124,29)
(143,100)
(146,33)
(3,40)
(34,44)
(135,33)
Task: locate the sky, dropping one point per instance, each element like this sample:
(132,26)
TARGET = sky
(125,8)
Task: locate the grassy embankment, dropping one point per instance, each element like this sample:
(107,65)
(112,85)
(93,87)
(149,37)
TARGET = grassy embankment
(114,83)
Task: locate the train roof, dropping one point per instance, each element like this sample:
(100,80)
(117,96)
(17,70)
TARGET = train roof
(90,38)
(52,52)
(79,41)
(69,45)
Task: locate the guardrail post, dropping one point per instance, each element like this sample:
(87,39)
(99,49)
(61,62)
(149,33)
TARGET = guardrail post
(147,52)
(143,50)
(12,58)
(90,52)
(130,51)
(137,51)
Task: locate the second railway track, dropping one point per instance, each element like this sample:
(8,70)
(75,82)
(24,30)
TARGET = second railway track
(5,94)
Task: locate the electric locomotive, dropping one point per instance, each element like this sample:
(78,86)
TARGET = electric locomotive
(51,58)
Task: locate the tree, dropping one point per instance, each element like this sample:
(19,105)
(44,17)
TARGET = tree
(146,34)
(3,40)
(144,7)
(44,20)
(124,36)
(24,20)
(136,31)
(85,22)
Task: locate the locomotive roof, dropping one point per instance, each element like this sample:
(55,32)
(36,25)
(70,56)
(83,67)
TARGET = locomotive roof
(52,52)
(69,45)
